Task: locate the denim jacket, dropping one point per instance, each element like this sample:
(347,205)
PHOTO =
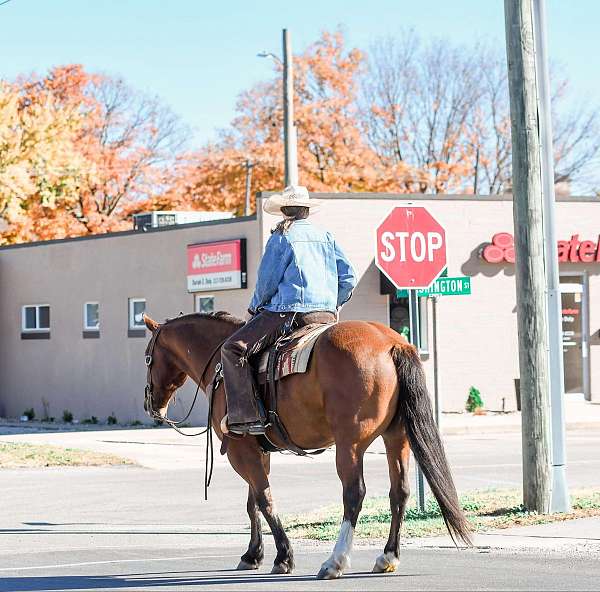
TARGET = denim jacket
(301,271)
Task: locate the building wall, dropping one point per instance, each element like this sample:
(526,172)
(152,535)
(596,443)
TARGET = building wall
(106,375)
(477,334)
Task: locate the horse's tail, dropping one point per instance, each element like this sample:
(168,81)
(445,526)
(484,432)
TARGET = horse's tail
(414,407)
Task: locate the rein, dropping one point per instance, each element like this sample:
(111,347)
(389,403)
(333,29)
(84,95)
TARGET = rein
(214,385)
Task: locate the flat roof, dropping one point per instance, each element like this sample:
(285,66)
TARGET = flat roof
(132,232)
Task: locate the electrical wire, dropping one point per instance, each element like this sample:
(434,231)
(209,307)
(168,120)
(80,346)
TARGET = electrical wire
(4,2)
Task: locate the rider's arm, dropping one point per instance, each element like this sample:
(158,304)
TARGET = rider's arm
(346,276)
(278,255)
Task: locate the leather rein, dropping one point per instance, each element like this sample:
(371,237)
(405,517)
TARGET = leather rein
(214,385)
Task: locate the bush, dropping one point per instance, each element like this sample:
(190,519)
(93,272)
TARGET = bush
(29,413)
(474,400)
(67,416)
(91,420)
(111,420)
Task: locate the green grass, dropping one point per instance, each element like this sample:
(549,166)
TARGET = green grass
(16,456)
(485,510)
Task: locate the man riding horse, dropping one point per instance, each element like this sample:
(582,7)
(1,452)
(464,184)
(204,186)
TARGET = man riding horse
(303,278)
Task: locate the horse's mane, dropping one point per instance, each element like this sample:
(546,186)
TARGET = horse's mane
(220,315)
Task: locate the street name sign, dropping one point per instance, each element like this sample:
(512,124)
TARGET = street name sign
(411,247)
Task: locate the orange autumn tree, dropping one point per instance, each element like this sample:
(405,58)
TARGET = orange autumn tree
(333,154)
(115,153)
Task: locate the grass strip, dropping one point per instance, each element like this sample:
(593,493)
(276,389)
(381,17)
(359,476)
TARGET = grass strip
(486,510)
(15,455)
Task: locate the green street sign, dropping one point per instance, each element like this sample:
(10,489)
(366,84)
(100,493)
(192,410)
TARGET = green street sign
(443,286)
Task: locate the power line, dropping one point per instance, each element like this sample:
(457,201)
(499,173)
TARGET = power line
(4,2)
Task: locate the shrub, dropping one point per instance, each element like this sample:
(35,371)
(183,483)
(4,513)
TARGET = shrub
(91,420)
(474,400)
(67,416)
(29,413)
(111,419)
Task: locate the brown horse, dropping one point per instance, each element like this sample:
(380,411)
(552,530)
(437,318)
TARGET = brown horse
(364,381)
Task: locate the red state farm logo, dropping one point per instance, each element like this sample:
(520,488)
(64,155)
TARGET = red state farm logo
(501,249)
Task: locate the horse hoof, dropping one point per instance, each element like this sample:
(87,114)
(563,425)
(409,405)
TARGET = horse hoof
(329,573)
(386,563)
(281,568)
(245,566)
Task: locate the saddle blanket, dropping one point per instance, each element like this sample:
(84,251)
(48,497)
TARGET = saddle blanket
(293,353)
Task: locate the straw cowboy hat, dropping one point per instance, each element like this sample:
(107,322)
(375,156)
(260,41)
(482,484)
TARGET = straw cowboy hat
(294,195)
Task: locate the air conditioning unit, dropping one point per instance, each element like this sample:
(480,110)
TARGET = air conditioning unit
(170,218)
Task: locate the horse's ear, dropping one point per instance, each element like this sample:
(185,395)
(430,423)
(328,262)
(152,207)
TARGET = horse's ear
(151,324)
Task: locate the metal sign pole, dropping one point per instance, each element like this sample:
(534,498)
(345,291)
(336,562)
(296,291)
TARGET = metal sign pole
(413,311)
(436,390)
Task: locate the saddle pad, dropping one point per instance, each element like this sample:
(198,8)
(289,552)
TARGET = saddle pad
(294,351)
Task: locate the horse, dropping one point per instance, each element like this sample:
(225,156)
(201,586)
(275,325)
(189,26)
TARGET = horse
(364,381)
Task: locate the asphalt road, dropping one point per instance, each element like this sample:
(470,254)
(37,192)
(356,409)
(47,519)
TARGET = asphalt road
(137,528)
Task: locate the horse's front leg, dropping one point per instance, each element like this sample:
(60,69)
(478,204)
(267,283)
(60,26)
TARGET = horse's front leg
(253,466)
(253,557)
(349,462)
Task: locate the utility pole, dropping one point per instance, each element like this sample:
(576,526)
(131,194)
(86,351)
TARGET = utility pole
(559,500)
(289,128)
(248,165)
(530,268)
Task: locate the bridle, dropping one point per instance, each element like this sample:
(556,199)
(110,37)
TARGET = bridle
(216,381)
(149,388)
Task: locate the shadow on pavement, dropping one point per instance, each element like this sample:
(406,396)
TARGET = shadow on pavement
(20,584)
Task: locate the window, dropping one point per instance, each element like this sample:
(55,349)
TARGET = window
(204,304)
(137,307)
(35,318)
(91,316)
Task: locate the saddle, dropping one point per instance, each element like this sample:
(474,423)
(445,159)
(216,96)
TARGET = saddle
(290,354)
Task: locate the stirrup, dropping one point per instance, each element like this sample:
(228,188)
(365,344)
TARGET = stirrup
(253,428)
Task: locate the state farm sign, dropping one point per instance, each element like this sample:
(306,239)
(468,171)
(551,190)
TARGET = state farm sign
(216,266)
(502,250)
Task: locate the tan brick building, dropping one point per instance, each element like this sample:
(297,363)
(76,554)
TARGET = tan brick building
(71,338)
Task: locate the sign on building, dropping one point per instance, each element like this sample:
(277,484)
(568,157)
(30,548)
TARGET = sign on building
(216,266)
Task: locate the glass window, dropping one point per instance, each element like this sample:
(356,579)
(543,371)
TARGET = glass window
(91,316)
(137,308)
(35,317)
(205,304)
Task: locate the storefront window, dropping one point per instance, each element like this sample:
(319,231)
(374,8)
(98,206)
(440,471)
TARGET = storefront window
(137,308)
(91,316)
(35,317)
(205,304)
(399,320)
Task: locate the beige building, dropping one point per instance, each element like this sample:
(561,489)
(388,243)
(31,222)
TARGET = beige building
(71,336)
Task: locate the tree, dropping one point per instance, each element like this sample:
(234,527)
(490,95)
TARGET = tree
(121,142)
(443,106)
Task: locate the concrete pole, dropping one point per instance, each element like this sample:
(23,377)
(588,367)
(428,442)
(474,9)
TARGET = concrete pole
(530,268)
(248,166)
(559,500)
(289,129)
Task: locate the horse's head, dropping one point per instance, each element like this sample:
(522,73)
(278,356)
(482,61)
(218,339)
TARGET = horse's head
(163,375)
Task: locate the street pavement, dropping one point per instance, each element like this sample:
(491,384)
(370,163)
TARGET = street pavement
(146,527)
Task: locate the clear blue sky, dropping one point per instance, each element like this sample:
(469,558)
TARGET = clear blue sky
(199,54)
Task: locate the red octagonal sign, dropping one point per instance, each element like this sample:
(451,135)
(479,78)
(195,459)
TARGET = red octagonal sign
(411,247)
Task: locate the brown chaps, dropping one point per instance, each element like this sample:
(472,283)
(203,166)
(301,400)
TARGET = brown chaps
(260,332)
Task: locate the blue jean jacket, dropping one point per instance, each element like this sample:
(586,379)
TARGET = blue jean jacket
(301,271)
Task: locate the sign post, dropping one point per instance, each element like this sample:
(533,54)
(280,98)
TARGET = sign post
(411,252)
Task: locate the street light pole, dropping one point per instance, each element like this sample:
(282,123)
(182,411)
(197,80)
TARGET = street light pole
(248,165)
(559,498)
(289,129)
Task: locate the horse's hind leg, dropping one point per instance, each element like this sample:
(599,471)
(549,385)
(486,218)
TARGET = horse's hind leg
(398,455)
(254,466)
(253,557)
(349,461)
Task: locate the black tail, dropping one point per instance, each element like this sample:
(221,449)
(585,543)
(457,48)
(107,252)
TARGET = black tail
(425,442)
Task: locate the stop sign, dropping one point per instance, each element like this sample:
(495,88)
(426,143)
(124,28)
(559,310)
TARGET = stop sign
(411,247)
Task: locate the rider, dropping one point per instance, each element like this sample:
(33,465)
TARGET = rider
(303,277)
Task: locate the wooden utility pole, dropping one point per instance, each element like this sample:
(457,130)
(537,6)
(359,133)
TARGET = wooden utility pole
(530,266)
(248,165)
